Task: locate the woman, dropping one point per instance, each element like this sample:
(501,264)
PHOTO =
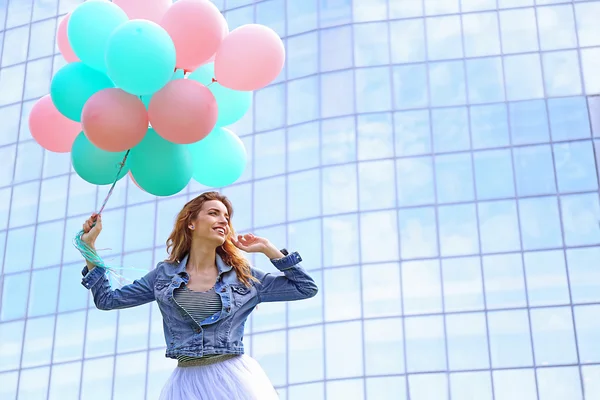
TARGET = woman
(205,291)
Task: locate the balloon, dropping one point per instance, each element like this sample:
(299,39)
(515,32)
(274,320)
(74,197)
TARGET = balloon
(90,26)
(140,57)
(152,10)
(197,29)
(232,104)
(178,74)
(249,58)
(183,112)
(114,120)
(73,85)
(63,41)
(133,180)
(219,159)
(52,130)
(160,167)
(94,165)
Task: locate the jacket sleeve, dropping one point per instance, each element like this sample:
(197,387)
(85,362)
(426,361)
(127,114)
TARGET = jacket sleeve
(141,291)
(294,284)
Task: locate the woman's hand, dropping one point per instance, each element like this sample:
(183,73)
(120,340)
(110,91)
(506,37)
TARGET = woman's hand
(91,231)
(255,244)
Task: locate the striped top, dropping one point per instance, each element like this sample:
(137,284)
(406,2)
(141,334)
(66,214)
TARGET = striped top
(199,305)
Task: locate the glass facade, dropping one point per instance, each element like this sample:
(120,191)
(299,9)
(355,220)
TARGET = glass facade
(434,161)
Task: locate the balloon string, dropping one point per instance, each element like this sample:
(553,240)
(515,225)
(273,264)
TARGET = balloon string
(121,165)
(91,254)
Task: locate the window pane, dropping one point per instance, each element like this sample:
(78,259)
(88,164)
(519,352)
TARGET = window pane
(64,381)
(458,230)
(70,333)
(510,342)
(418,232)
(381,292)
(425,347)
(269,350)
(559,383)
(534,170)
(37,383)
(421,287)
(494,174)
(340,191)
(467,341)
(523,74)
(515,385)
(454,178)
(428,386)
(450,129)
(553,336)
(485,80)
(546,278)
(581,214)
(374,184)
(44,291)
(504,281)
(569,118)
(339,338)
(575,167)
(97,379)
(587,324)
(499,226)
(342,294)
(371,45)
(557,27)
(340,238)
(383,246)
(447,80)
(471,385)
(38,342)
(11,339)
(384,348)
(306,354)
(540,225)
(444,37)
(415,181)
(412,133)
(462,284)
(584,276)
(393,387)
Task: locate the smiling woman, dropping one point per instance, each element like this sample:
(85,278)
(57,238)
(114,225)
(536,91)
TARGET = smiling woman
(205,291)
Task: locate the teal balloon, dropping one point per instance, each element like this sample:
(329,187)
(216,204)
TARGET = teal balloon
(219,159)
(95,165)
(178,74)
(232,104)
(140,57)
(89,28)
(160,167)
(73,85)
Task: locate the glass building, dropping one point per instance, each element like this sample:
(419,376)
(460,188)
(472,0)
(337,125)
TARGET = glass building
(435,162)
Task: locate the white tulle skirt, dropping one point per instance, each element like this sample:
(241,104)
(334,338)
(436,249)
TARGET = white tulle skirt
(238,378)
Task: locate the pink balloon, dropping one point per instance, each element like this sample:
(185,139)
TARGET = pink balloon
(249,58)
(197,29)
(52,130)
(183,111)
(114,120)
(63,41)
(152,10)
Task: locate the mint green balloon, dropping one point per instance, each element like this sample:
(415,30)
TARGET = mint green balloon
(178,74)
(140,57)
(232,104)
(219,159)
(73,85)
(94,165)
(160,167)
(89,28)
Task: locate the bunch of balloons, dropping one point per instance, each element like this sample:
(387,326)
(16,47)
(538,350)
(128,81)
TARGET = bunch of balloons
(161,80)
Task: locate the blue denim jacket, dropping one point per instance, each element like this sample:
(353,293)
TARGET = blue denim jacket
(220,333)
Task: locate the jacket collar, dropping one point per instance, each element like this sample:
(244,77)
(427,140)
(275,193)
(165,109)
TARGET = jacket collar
(221,266)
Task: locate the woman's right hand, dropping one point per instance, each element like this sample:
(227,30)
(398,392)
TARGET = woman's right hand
(91,231)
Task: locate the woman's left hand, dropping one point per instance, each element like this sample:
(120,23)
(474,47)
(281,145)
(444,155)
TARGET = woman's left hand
(250,243)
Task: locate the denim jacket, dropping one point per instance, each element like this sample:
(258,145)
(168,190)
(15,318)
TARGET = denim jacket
(220,333)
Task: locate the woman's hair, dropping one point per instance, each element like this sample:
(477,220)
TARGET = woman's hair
(179,242)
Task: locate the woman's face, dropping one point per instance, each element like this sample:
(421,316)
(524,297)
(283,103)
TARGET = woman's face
(212,223)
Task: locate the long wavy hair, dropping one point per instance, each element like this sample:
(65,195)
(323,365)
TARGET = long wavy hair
(179,242)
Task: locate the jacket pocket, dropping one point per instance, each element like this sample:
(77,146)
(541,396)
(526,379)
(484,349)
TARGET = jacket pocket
(241,295)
